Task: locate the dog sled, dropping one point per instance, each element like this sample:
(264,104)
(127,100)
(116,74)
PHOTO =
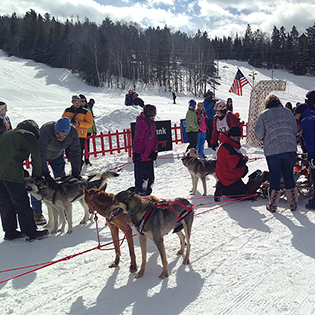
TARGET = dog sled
(302,177)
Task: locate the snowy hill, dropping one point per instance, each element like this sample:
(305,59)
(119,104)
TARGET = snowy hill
(244,260)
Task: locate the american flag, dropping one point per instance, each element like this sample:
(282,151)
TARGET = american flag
(238,83)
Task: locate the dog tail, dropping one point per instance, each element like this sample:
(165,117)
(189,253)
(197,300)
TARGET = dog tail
(178,228)
(108,175)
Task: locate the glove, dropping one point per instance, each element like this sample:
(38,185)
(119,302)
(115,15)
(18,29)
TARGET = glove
(245,171)
(213,146)
(26,173)
(50,181)
(136,158)
(153,156)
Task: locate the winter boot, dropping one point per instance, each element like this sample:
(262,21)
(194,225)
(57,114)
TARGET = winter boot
(292,198)
(274,197)
(218,192)
(36,235)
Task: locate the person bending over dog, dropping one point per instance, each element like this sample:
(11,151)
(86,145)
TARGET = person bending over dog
(55,139)
(231,165)
(145,150)
(15,147)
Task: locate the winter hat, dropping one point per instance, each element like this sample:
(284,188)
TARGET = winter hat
(220,105)
(29,125)
(192,103)
(300,108)
(2,105)
(149,110)
(63,125)
(74,97)
(311,96)
(234,131)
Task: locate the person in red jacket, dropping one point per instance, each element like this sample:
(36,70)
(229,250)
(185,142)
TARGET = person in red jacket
(222,122)
(231,165)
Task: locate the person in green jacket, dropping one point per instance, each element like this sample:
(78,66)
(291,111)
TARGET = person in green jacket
(192,126)
(91,130)
(16,146)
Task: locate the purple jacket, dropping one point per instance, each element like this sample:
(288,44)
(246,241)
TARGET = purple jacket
(141,142)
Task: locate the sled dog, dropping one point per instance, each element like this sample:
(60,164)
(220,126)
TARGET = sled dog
(154,220)
(59,200)
(198,168)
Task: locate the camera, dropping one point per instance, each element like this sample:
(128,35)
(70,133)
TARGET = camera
(73,121)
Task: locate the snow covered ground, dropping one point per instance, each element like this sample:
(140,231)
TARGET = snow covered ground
(244,260)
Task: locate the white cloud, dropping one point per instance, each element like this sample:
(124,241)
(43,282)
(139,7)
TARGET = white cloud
(217,17)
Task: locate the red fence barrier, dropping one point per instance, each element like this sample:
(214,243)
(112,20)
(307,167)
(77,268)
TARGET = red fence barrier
(119,141)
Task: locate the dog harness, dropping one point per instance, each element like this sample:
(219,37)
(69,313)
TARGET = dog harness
(165,205)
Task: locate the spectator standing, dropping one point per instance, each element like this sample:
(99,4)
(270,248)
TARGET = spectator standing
(192,126)
(16,146)
(305,115)
(145,150)
(201,136)
(223,120)
(231,165)
(80,118)
(56,139)
(174,97)
(5,124)
(288,105)
(91,130)
(276,128)
(209,103)
(229,104)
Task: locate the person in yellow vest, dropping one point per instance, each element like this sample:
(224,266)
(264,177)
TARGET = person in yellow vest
(81,118)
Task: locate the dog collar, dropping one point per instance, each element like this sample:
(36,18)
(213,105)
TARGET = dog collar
(136,206)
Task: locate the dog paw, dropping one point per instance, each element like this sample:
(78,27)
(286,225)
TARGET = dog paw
(180,252)
(53,232)
(83,222)
(113,265)
(133,268)
(69,231)
(139,274)
(163,275)
(186,261)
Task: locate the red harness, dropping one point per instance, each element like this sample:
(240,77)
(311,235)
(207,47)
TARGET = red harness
(168,206)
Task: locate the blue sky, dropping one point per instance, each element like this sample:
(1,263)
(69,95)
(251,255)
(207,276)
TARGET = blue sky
(218,18)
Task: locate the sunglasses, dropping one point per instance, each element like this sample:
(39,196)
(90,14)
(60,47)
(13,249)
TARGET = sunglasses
(77,102)
(61,135)
(83,101)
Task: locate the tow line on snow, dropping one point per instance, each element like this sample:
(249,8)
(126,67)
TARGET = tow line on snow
(232,199)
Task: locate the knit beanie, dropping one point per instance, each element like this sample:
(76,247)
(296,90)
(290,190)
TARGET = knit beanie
(192,103)
(29,125)
(234,131)
(311,96)
(2,105)
(63,125)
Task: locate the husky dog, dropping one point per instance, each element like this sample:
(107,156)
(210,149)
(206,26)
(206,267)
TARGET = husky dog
(198,168)
(59,200)
(154,220)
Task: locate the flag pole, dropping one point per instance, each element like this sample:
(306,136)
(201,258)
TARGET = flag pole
(245,77)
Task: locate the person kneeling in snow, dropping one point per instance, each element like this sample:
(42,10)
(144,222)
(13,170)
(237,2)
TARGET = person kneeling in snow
(231,165)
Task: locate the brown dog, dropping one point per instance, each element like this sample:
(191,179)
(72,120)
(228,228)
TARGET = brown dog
(154,220)
(98,199)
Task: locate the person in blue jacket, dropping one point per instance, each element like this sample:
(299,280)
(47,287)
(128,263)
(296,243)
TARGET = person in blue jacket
(208,103)
(305,114)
